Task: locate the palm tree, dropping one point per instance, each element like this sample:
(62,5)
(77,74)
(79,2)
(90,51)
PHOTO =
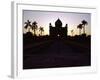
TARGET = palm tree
(72,32)
(34,27)
(80,28)
(84,23)
(41,29)
(27,25)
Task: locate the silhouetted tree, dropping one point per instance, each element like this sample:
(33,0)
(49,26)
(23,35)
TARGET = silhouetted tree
(84,23)
(27,25)
(34,27)
(80,28)
(72,32)
(41,29)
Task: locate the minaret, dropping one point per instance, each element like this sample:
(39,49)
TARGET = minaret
(50,27)
(66,29)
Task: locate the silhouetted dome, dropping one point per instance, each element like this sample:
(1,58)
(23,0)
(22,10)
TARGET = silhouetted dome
(58,23)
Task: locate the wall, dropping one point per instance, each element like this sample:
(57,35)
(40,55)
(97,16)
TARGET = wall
(5,39)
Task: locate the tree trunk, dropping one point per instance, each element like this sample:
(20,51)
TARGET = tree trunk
(34,32)
(41,33)
(29,29)
(84,29)
(79,31)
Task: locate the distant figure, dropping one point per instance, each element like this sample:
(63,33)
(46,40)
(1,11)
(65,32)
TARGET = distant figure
(58,30)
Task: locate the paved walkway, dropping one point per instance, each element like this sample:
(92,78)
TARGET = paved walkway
(58,54)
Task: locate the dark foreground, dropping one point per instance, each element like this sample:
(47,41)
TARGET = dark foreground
(56,53)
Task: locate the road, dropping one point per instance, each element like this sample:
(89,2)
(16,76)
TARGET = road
(57,54)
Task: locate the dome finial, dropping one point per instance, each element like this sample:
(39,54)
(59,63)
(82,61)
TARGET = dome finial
(58,23)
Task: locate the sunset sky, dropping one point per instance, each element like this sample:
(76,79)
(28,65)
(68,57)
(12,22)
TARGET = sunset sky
(43,18)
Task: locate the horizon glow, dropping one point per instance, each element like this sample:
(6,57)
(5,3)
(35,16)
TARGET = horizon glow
(43,18)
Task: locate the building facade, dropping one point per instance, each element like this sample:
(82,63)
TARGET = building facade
(58,30)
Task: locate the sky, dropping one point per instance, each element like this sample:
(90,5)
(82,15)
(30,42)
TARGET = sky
(43,18)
